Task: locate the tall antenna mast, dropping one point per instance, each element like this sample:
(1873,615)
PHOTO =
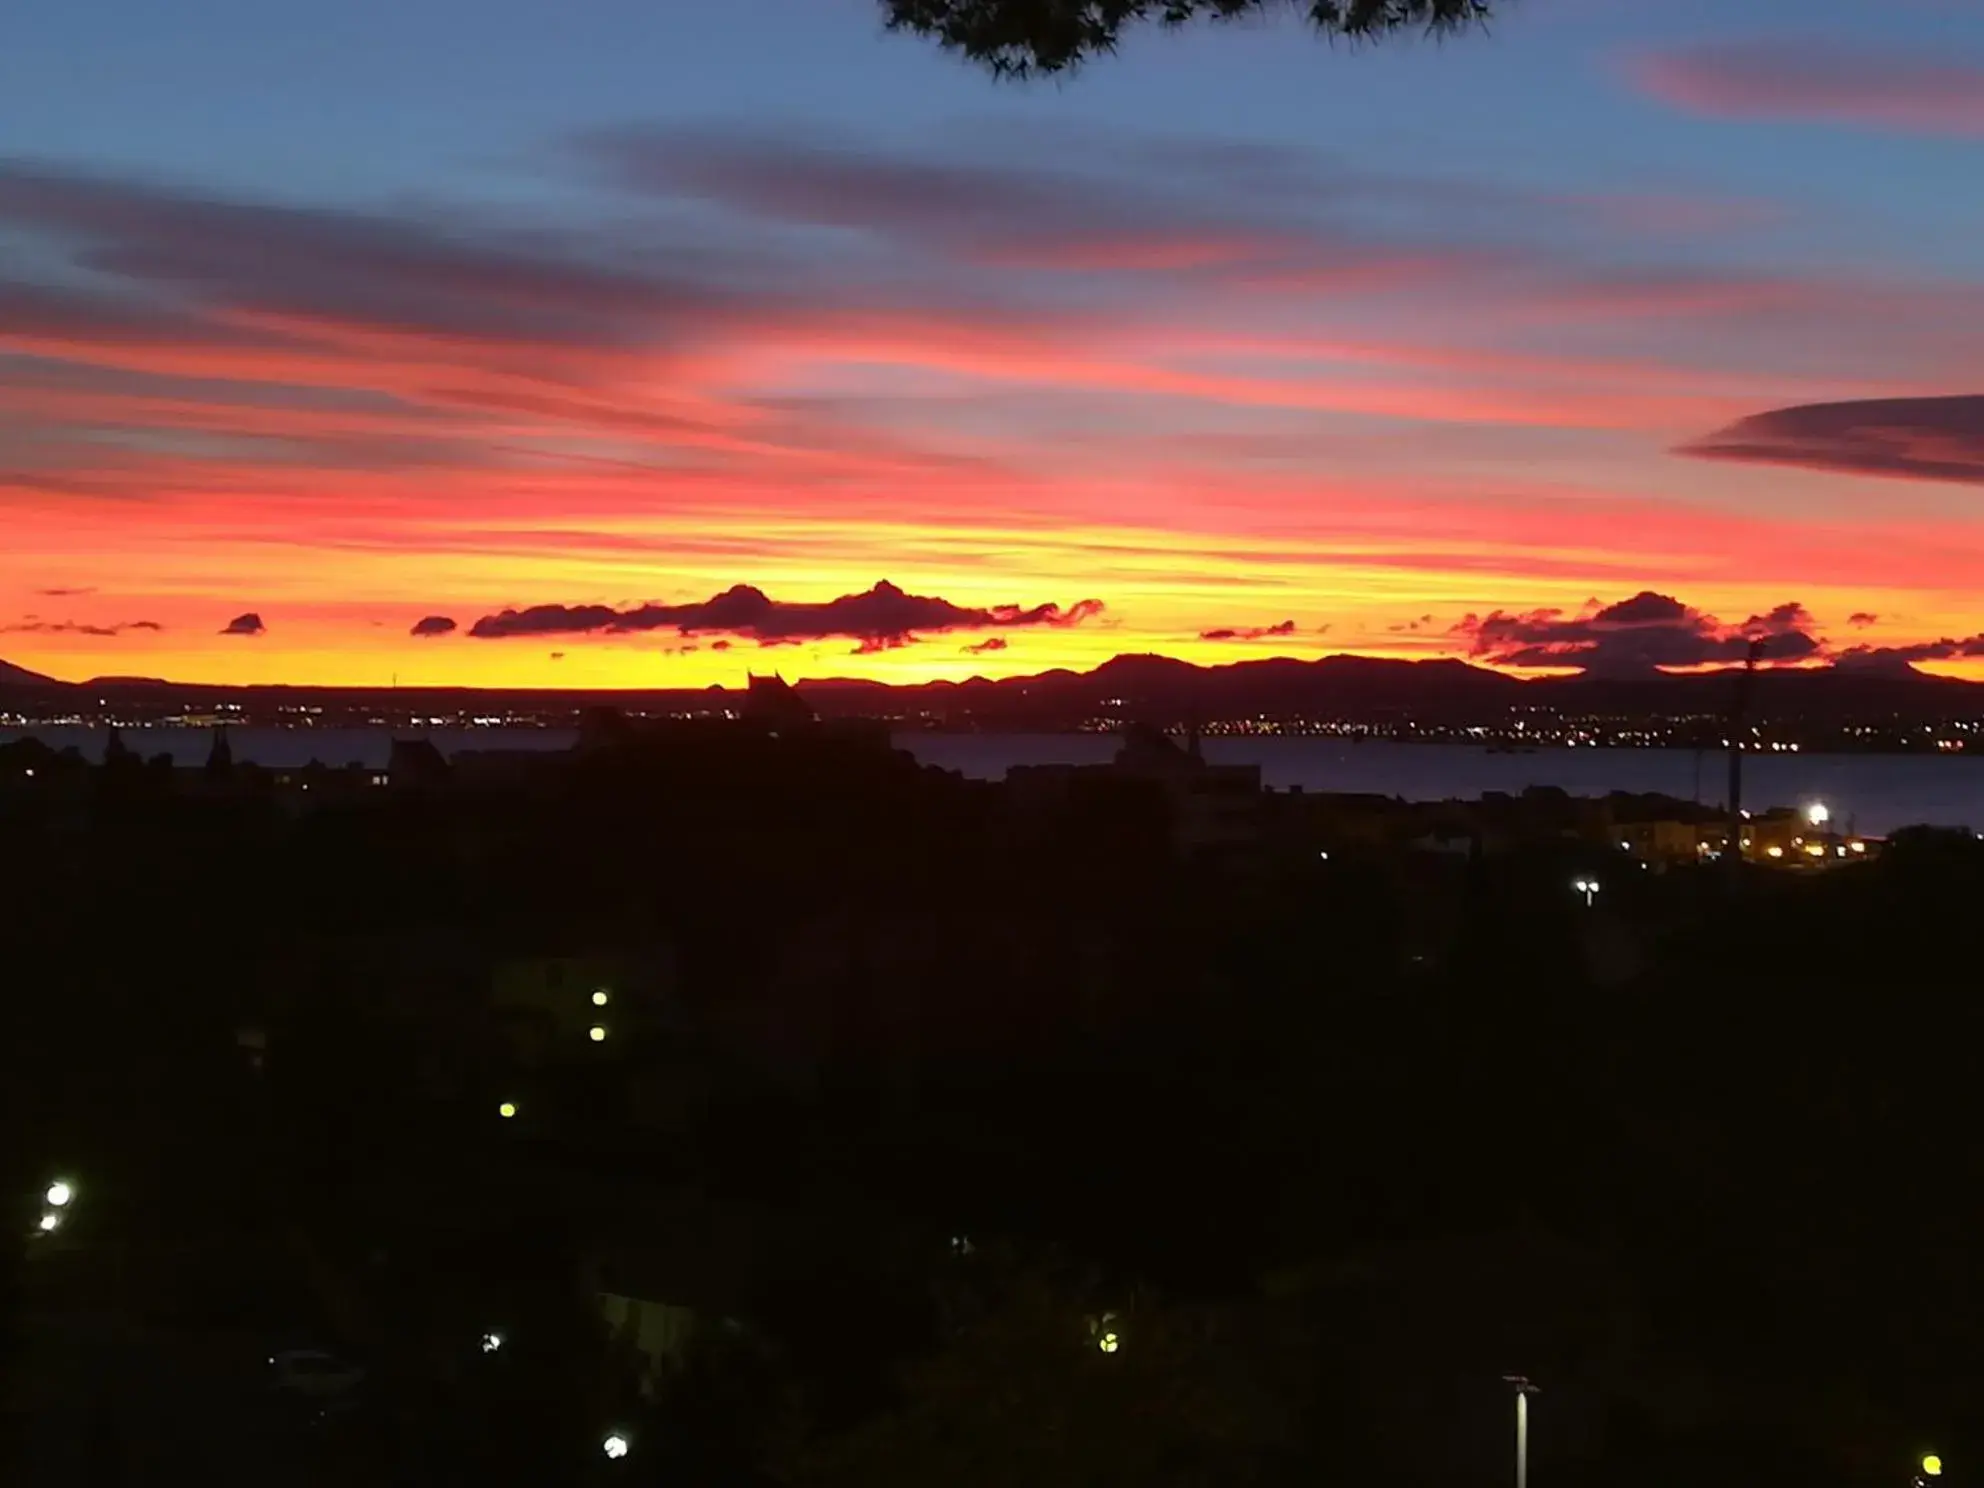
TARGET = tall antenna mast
(1738,721)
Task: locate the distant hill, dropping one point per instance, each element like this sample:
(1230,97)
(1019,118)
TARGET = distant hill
(1163,688)
(1429,691)
(13,676)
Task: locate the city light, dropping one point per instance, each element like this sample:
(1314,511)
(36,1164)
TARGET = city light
(507,1110)
(1932,1466)
(615,1446)
(59,1194)
(1588,887)
(599,998)
(491,1342)
(1773,852)
(1109,1343)
(597,1033)
(50,1223)
(1818,813)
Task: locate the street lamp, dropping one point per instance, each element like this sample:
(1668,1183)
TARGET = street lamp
(1932,1467)
(491,1342)
(1818,813)
(507,1110)
(59,1194)
(615,1445)
(597,1033)
(1524,1389)
(1102,1333)
(1588,887)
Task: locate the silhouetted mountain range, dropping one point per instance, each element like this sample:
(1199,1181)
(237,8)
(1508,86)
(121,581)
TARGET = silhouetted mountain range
(1160,688)
(13,676)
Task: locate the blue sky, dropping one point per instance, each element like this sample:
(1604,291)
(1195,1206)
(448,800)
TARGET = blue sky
(370,97)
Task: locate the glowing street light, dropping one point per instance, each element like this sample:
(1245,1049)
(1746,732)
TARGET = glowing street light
(597,1033)
(1102,1332)
(59,1194)
(1932,1466)
(1818,813)
(507,1110)
(1588,887)
(615,1446)
(491,1342)
(50,1223)
(1524,1389)
(599,998)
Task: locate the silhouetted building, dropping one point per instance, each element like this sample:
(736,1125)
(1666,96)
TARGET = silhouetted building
(1210,807)
(776,704)
(504,767)
(416,763)
(220,756)
(1666,841)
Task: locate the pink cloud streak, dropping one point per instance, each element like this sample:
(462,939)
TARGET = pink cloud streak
(1818,81)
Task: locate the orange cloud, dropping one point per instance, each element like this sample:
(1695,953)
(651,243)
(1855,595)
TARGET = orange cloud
(1190,385)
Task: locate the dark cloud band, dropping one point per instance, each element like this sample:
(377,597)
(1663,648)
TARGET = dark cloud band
(1636,636)
(880,618)
(1938,439)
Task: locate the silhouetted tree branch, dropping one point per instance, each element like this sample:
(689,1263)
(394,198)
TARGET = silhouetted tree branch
(1019,38)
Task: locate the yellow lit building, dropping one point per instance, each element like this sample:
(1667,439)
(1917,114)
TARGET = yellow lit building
(1789,839)
(1669,842)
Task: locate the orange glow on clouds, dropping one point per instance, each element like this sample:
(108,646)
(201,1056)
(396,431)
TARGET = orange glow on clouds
(1260,425)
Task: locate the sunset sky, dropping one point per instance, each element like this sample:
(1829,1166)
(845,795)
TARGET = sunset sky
(324,325)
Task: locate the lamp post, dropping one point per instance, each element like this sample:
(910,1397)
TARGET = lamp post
(1524,1389)
(1588,887)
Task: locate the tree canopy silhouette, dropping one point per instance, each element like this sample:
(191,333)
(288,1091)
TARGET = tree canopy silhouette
(1039,1383)
(1021,38)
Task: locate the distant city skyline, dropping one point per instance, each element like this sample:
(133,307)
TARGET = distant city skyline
(472,344)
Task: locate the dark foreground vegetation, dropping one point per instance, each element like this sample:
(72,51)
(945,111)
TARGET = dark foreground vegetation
(964,1145)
